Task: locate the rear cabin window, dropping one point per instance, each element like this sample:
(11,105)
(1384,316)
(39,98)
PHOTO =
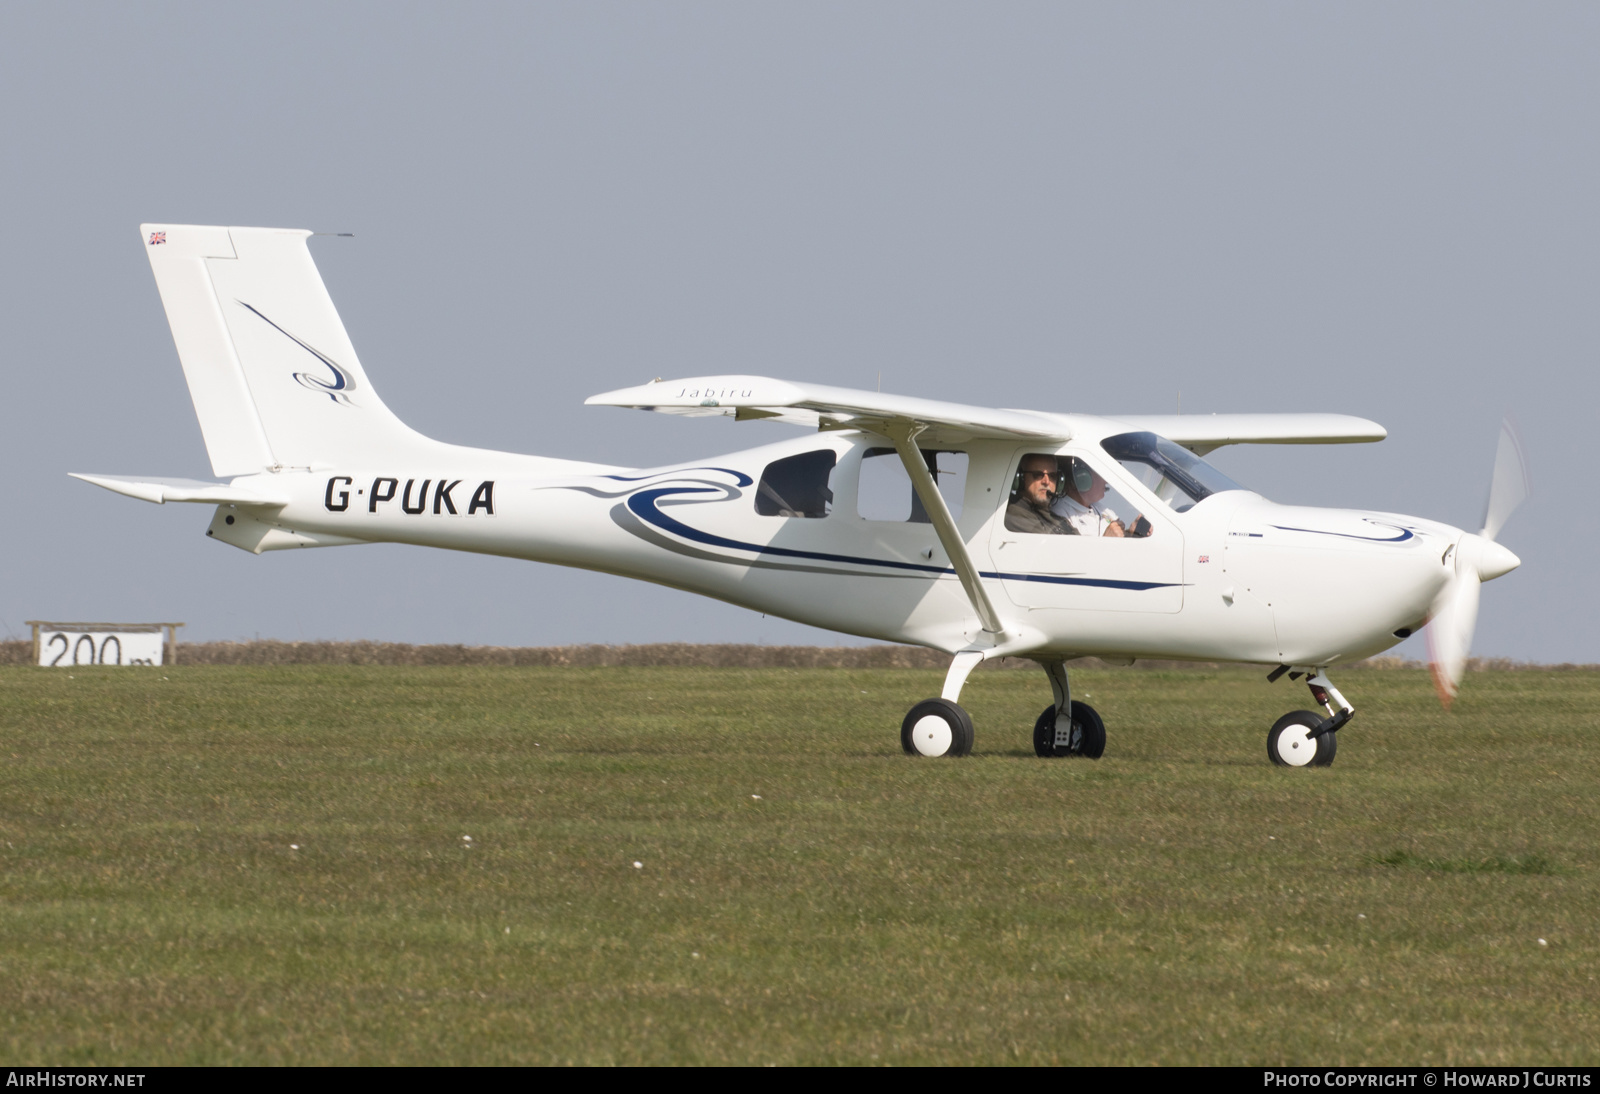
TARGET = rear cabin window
(797,486)
(884,491)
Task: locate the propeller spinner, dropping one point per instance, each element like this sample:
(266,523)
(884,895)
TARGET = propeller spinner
(1478,558)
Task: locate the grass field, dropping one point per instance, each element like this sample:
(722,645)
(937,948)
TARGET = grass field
(805,893)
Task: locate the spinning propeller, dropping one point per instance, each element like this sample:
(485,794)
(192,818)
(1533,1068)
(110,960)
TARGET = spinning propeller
(1477,558)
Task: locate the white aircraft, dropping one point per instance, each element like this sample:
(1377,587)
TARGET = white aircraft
(979,532)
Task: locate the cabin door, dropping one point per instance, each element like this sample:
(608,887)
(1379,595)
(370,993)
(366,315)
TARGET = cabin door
(1041,564)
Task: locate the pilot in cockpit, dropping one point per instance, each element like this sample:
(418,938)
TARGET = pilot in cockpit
(1038,480)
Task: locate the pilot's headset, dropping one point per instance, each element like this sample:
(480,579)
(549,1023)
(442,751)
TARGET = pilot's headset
(1082,477)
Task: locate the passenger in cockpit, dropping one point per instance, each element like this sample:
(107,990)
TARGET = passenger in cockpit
(1039,480)
(1082,504)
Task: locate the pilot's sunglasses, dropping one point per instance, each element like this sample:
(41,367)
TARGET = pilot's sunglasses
(1043,475)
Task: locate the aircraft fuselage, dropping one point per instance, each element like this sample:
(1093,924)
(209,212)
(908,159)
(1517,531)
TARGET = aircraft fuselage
(1234,577)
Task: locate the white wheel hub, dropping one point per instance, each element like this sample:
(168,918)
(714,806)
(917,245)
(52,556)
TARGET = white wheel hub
(932,735)
(1296,746)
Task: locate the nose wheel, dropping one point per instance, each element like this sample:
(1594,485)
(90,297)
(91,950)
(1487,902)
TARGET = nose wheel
(1291,743)
(1304,738)
(1084,734)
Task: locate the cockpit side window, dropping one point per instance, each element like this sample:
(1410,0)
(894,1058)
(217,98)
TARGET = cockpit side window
(797,486)
(1058,495)
(1171,472)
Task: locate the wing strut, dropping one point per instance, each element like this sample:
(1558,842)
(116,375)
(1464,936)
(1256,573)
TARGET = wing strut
(904,434)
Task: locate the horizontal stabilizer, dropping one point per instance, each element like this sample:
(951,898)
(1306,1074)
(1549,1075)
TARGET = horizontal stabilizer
(819,406)
(1203,432)
(162,491)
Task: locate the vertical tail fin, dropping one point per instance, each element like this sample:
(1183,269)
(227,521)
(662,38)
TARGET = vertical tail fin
(274,378)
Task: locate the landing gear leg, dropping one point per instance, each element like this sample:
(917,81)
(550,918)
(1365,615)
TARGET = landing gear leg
(940,727)
(1304,738)
(1067,728)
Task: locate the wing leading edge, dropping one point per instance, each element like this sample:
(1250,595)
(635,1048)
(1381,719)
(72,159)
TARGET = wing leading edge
(1203,432)
(821,407)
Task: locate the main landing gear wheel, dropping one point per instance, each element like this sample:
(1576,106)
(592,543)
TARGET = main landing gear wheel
(936,727)
(1085,737)
(1290,743)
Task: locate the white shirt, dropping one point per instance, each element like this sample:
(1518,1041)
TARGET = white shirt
(1087,520)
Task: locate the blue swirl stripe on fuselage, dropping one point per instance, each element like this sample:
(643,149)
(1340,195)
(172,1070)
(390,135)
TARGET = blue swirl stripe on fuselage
(643,506)
(739,477)
(1405,534)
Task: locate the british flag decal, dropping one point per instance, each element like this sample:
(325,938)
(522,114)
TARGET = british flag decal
(157,237)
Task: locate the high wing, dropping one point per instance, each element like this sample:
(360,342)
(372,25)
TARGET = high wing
(1200,433)
(821,407)
(758,397)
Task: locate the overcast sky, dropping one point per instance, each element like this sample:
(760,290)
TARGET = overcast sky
(1390,210)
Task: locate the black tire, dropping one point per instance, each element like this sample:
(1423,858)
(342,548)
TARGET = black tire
(1290,745)
(1092,744)
(1089,741)
(953,738)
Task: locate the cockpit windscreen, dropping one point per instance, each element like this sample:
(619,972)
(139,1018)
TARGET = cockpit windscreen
(1170,471)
